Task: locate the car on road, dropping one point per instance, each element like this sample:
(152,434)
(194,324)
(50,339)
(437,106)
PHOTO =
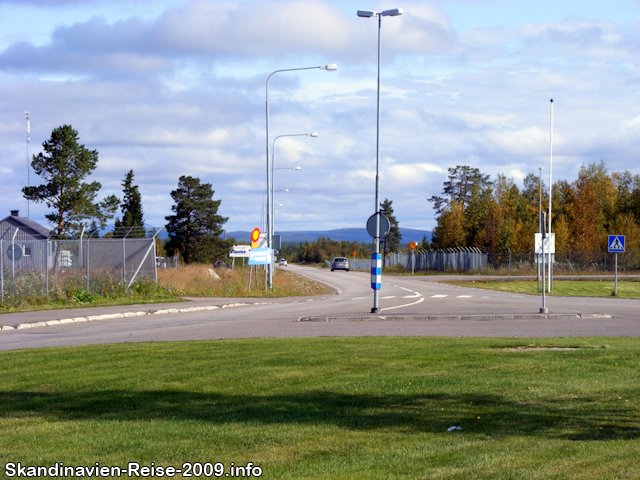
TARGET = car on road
(283,262)
(340,263)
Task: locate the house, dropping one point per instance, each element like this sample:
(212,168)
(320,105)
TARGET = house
(25,248)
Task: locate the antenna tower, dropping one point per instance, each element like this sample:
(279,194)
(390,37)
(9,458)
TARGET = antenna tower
(27,169)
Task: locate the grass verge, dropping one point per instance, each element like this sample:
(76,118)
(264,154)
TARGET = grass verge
(562,288)
(186,281)
(357,408)
(197,281)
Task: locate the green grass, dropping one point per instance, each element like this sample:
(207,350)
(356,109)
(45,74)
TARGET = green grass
(363,408)
(563,288)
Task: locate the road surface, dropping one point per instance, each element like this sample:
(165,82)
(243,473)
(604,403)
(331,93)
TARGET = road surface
(410,306)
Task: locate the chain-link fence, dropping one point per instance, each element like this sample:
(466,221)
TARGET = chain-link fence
(502,263)
(101,266)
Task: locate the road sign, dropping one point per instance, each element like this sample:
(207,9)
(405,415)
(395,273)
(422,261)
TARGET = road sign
(240,251)
(413,245)
(616,243)
(549,243)
(354,253)
(260,256)
(255,236)
(385,226)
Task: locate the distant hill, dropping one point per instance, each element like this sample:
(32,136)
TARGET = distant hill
(341,234)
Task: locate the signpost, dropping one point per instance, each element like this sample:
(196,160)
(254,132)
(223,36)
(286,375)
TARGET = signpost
(413,246)
(545,253)
(382,222)
(616,245)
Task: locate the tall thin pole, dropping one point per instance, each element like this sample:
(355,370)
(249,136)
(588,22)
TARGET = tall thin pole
(376,308)
(269,233)
(550,192)
(539,216)
(27,169)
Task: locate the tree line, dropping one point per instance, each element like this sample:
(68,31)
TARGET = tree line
(474,211)
(64,165)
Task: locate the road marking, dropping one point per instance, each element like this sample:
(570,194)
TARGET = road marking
(417,295)
(400,306)
(404,288)
(386,298)
(465,296)
(439,296)
(360,298)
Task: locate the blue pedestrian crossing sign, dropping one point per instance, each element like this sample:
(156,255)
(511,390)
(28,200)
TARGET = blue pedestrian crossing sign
(616,243)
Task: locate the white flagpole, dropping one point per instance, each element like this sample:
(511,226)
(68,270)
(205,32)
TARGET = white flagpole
(550,194)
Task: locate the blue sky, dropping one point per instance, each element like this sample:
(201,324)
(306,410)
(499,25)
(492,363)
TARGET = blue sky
(171,88)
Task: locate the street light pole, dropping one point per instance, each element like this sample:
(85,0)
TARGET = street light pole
(273,162)
(375,258)
(330,67)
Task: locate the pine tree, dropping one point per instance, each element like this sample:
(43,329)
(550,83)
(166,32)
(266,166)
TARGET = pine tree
(195,228)
(391,242)
(64,165)
(132,215)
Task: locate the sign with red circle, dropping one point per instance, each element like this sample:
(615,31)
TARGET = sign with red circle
(354,253)
(413,245)
(255,235)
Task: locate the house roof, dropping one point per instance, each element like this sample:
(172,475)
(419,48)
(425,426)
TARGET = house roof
(28,223)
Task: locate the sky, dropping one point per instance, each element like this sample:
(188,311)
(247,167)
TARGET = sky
(177,87)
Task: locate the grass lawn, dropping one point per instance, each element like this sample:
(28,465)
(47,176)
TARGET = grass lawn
(363,408)
(563,288)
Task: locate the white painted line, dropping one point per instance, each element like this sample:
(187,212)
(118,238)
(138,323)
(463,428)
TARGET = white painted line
(404,288)
(439,296)
(400,306)
(465,296)
(417,295)
(387,298)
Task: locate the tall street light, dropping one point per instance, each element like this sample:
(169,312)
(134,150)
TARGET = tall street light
(375,257)
(329,67)
(273,163)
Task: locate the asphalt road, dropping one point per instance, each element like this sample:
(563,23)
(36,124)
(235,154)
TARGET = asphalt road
(410,306)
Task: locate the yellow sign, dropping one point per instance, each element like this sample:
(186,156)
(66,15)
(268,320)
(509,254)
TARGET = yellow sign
(255,236)
(413,245)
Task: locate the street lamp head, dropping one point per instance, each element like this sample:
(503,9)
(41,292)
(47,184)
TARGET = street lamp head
(392,13)
(314,134)
(330,67)
(297,168)
(366,13)
(285,190)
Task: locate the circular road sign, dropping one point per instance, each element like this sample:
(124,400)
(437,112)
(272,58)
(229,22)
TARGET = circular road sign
(255,235)
(354,253)
(413,245)
(385,226)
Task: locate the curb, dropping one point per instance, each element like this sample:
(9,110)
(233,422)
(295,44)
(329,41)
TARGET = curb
(476,318)
(110,316)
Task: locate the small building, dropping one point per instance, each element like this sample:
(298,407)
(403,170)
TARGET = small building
(27,248)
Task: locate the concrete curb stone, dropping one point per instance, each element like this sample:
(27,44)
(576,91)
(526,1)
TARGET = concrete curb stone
(109,316)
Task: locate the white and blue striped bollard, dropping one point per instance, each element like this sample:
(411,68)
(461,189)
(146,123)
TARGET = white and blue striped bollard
(376,270)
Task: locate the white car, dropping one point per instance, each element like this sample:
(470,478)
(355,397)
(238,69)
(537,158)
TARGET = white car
(283,262)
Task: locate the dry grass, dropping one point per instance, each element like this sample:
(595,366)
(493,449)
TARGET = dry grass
(197,281)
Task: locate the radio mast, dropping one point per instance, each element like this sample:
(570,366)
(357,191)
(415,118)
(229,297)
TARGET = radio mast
(27,168)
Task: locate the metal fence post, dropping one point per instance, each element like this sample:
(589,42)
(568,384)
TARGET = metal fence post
(13,257)
(1,272)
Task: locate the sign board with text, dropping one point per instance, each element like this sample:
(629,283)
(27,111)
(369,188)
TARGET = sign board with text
(240,251)
(260,256)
